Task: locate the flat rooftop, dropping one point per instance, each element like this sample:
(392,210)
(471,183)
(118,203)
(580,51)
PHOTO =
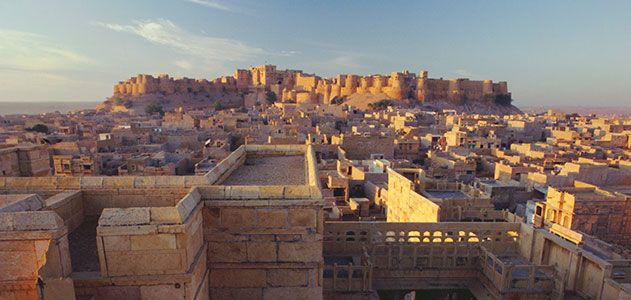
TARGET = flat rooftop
(269,170)
(446,194)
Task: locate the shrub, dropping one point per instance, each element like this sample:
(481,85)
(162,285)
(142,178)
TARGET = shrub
(270,97)
(338,100)
(154,108)
(503,99)
(381,104)
(38,128)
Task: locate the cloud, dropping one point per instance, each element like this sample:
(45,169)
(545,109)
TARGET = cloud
(25,51)
(210,4)
(166,33)
(198,54)
(183,64)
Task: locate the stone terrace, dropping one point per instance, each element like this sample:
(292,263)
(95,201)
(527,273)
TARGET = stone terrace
(181,236)
(274,170)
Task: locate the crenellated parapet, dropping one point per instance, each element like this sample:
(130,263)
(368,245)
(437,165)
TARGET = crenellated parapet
(296,86)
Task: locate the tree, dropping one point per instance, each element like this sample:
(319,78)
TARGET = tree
(218,105)
(505,99)
(154,108)
(128,104)
(381,104)
(270,97)
(339,125)
(38,128)
(338,100)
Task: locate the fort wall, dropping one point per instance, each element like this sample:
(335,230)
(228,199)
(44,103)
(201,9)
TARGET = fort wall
(296,86)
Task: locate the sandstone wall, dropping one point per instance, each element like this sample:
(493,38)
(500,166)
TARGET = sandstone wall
(406,205)
(294,85)
(263,242)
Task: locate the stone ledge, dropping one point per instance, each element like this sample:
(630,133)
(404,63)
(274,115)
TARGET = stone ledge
(125,216)
(187,204)
(59,199)
(30,221)
(22,202)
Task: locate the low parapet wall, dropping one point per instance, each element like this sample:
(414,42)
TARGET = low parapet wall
(163,242)
(34,246)
(187,237)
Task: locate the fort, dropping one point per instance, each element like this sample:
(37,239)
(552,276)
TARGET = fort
(297,86)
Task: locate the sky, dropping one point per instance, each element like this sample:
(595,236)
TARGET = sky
(558,52)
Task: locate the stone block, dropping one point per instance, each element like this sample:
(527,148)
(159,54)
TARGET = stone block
(121,263)
(297,191)
(37,220)
(126,200)
(213,192)
(165,215)
(227,251)
(69,183)
(6,221)
(17,246)
(242,192)
(153,242)
(30,202)
(59,288)
(170,181)
(212,216)
(287,277)
(187,205)
(118,182)
(191,181)
(144,181)
(300,251)
(226,278)
(302,217)
(163,291)
(116,243)
(271,218)
(271,192)
(125,216)
(315,192)
(262,251)
(18,265)
(91,182)
(237,218)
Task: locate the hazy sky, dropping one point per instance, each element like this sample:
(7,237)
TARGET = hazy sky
(550,52)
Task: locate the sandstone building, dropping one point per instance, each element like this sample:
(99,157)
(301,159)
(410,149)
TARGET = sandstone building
(297,86)
(24,160)
(253,228)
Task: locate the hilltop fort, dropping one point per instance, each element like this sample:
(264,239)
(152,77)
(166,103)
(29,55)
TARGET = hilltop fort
(249,86)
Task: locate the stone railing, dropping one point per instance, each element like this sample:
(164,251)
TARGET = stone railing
(347,277)
(100,182)
(418,256)
(566,233)
(512,278)
(351,237)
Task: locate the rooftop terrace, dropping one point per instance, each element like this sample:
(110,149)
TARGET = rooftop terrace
(271,170)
